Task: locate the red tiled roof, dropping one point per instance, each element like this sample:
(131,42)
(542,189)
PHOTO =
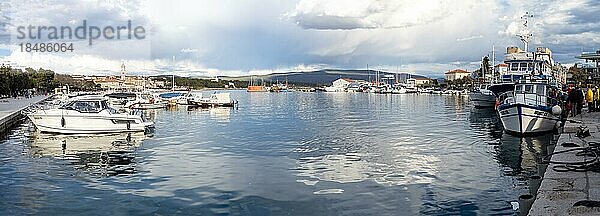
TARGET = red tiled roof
(457,71)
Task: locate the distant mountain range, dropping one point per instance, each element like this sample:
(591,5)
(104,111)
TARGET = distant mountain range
(321,77)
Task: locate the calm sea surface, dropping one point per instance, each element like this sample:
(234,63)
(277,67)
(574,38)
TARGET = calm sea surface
(279,154)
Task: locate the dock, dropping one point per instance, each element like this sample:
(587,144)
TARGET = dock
(10,110)
(573,189)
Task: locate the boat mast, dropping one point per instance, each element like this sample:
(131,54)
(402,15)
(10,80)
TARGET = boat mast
(368,71)
(173,71)
(494,64)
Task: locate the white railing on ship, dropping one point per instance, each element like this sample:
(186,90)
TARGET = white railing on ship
(538,100)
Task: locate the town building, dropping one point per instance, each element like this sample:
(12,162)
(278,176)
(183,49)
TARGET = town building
(419,81)
(456,74)
(501,69)
(342,83)
(591,67)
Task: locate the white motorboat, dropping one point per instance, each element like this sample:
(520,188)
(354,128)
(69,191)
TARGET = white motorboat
(399,90)
(214,100)
(120,99)
(482,97)
(146,101)
(529,108)
(437,91)
(334,89)
(87,116)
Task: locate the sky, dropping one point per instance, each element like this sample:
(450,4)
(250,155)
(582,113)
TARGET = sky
(241,37)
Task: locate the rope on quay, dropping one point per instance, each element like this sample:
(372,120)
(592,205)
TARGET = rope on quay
(593,150)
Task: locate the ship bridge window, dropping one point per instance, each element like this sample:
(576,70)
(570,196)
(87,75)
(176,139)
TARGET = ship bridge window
(528,88)
(519,88)
(540,90)
(530,66)
(523,67)
(514,67)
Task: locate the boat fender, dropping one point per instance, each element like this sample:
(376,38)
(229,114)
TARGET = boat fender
(62,121)
(556,110)
(128,125)
(64,146)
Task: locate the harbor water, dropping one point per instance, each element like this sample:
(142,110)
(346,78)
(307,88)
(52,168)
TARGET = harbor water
(279,154)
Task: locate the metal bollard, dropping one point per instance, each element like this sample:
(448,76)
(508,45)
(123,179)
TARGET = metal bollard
(534,184)
(525,202)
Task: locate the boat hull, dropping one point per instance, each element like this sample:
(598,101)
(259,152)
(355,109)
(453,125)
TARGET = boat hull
(88,124)
(482,100)
(211,105)
(523,120)
(148,106)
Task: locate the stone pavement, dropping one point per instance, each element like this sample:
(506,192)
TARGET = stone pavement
(560,191)
(10,109)
(8,106)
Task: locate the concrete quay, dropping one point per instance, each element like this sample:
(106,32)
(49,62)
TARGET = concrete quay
(572,192)
(10,110)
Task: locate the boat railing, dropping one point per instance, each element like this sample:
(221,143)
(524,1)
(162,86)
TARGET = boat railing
(529,98)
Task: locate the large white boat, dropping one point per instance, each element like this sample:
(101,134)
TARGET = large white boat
(530,108)
(482,97)
(214,100)
(87,116)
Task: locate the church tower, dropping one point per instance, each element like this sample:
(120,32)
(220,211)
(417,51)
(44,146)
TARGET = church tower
(123,71)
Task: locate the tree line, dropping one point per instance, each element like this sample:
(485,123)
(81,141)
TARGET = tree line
(198,83)
(16,82)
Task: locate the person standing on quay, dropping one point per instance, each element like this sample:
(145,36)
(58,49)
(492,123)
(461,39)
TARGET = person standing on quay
(579,99)
(597,98)
(589,98)
(571,101)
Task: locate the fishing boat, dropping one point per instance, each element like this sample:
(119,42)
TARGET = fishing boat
(482,97)
(214,100)
(87,116)
(253,87)
(530,108)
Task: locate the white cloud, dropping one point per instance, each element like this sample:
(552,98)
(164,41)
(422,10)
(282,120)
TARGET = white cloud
(367,14)
(232,37)
(470,38)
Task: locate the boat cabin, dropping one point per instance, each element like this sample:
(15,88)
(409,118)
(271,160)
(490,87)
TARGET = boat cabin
(534,93)
(86,105)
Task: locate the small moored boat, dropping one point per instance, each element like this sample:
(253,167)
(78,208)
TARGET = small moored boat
(214,100)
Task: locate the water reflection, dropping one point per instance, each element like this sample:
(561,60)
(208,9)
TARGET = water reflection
(486,122)
(521,156)
(289,154)
(217,113)
(406,168)
(106,154)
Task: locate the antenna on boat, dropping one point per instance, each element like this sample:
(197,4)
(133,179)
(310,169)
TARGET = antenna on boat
(494,63)
(368,71)
(526,38)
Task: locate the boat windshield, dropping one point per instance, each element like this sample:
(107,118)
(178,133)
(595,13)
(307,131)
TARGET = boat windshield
(85,106)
